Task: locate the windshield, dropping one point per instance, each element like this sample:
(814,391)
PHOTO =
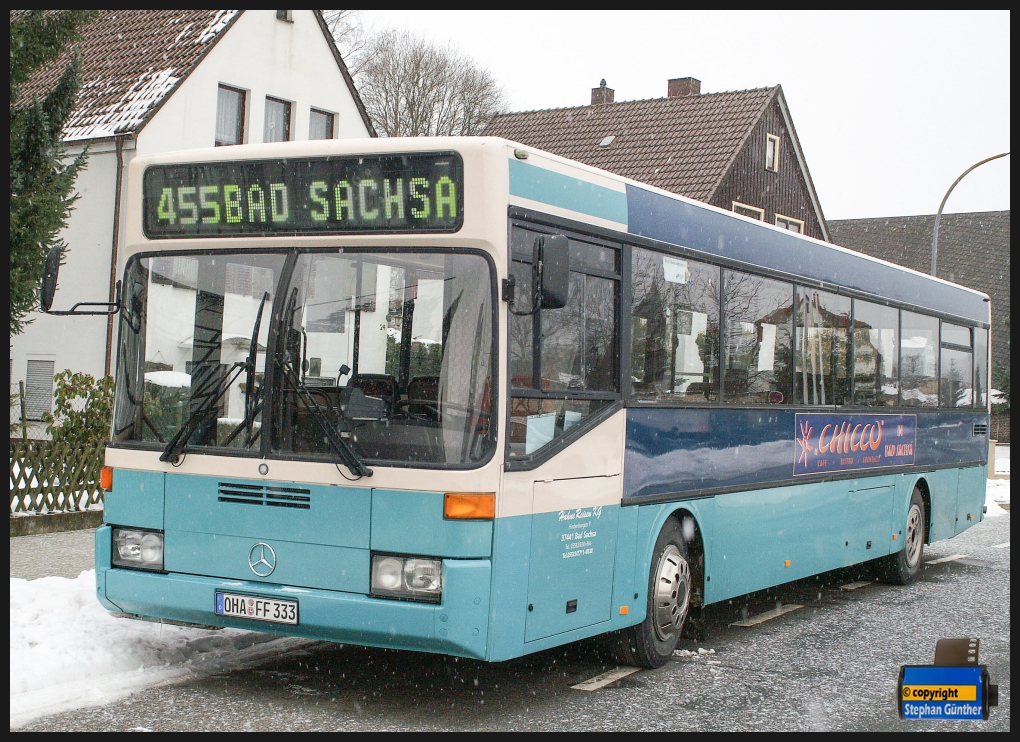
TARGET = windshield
(186,330)
(384,355)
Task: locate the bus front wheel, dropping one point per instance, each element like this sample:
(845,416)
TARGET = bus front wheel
(651,642)
(904,566)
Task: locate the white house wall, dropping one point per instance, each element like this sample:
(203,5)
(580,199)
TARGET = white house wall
(260,54)
(77,342)
(263,56)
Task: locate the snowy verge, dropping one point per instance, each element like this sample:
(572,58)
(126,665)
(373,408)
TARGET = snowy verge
(997,492)
(68,652)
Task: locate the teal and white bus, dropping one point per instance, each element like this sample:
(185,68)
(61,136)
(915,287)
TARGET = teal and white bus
(461,396)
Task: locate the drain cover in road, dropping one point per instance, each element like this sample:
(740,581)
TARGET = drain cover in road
(855,585)
(601,681)
(951,558)
(767,615)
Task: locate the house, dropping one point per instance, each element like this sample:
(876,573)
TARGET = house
(163,80)
(737,150)
(973,250)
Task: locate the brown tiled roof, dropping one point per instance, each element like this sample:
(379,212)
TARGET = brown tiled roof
(973,250)
(133,59)
(684,145)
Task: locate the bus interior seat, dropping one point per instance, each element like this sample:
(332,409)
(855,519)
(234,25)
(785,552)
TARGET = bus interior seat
(383,386)
(422,398)
(423,389)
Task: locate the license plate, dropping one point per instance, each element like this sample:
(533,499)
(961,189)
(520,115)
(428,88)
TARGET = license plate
(257,608)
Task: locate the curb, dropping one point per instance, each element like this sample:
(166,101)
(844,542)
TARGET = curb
(31,525)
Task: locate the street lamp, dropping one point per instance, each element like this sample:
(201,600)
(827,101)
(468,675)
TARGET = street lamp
(938,216)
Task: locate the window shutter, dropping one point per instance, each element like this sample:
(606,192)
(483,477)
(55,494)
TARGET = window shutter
(38,389)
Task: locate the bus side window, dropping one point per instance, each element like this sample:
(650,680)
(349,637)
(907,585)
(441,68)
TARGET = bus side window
(559,354)
(876,358)
(919,358)
(674,328)
(980,367)
(758,347)
(822,348)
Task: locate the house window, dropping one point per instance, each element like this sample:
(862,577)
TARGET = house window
(229,116)
(751,211)
(772,153)
(788,222)
(285,15)
(277,120)
(320,125)
(38,389)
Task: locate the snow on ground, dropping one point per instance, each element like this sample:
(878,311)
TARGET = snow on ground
(67,651)
(996,494)
(1002,459)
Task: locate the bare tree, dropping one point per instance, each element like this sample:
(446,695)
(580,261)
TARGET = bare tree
(351,39)
(412,87)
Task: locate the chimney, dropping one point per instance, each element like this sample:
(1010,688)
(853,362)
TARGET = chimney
(601,94)
(680,87)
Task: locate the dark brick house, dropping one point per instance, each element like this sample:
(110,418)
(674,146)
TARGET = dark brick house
(737,150)
(973,251)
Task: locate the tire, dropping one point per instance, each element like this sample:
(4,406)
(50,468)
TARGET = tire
(651,643)
(904,566)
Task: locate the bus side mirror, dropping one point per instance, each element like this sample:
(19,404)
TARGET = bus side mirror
(553,270)
(49,279)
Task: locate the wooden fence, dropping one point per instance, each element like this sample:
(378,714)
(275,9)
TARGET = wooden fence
(49,477)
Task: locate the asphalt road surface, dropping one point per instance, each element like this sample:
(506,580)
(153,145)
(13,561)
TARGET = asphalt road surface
(831,665)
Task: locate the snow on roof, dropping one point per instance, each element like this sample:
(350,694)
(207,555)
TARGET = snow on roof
(131,60)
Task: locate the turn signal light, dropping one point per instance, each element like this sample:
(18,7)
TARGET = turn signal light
(469,506)
(106,478)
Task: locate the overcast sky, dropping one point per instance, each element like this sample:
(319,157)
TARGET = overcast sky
(890,107)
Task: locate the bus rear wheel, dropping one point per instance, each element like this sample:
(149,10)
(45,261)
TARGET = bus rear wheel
(904,566)
(651,642)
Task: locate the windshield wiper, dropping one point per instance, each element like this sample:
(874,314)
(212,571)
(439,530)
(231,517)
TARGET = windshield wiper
(252,403)
(179,442)
(340,446)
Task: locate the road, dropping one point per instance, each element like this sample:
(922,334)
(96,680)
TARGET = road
(831,665)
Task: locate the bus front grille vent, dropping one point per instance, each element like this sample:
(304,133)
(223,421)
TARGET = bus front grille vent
(981,429)
(257,494)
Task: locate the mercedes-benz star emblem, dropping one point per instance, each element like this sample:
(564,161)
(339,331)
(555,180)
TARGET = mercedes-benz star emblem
(262,559)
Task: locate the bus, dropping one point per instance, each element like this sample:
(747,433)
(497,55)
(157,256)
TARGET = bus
(460,396)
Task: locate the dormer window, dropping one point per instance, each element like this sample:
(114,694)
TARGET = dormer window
(772,153)
(749,211)
(789,223)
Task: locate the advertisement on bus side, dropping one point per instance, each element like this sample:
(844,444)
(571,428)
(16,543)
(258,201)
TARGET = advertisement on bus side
(831,442)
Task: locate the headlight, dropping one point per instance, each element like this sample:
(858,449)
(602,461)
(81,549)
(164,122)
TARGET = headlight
(410,578)
(137,549)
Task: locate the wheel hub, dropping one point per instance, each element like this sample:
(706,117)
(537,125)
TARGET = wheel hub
(915,535)
(672,593)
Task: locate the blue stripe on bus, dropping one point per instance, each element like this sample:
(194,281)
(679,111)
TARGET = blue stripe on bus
(672,450)
(677,222)
(567,192)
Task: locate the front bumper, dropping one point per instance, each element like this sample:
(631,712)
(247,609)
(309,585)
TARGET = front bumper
(457,626)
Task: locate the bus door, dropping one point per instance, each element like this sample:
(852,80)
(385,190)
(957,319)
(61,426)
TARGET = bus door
(566,432)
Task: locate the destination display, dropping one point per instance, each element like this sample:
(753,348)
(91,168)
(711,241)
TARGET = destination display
(828,442)
(361,194)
